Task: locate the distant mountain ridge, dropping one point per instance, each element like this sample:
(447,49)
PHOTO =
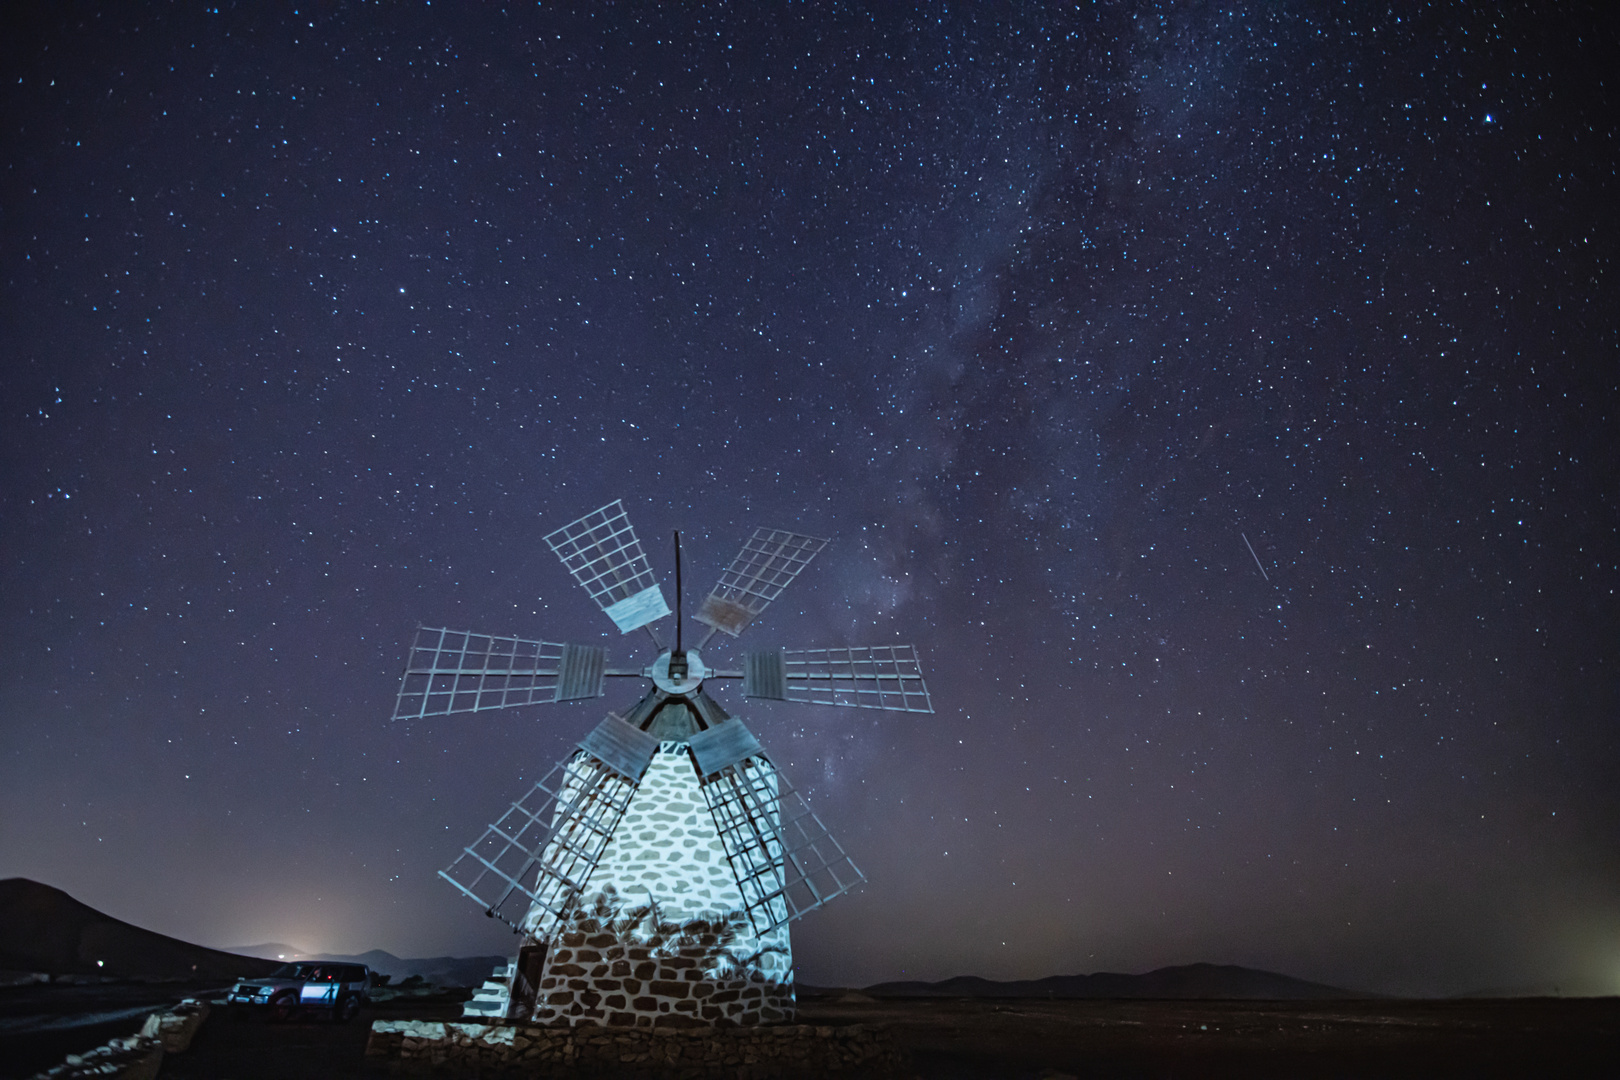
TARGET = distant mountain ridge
(439,970)
(1203,981)
(43,929)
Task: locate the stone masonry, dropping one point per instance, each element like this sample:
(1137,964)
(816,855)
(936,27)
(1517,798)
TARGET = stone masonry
(664,940)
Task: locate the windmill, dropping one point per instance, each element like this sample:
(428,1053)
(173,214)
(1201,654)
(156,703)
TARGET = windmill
(653,873)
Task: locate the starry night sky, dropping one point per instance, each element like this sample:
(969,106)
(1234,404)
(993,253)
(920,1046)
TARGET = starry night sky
(314,322)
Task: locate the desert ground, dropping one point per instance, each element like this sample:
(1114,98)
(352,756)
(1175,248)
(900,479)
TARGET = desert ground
(956,1038)
(960,1038)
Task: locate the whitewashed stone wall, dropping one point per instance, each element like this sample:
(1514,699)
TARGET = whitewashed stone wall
(663,940)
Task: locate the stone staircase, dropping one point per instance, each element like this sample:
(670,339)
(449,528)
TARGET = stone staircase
(489,1002)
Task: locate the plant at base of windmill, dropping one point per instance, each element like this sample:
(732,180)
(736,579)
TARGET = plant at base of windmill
(643,931)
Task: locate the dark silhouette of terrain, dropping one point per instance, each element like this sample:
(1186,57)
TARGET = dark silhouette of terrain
(438,970)
(1210,982)
(43,929)
(1029,1038)
(1250,1024)
(970,1038)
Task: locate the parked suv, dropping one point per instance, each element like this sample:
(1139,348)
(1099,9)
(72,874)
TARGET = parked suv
(333,990)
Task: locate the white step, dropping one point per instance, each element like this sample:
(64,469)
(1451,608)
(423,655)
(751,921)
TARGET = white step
(492,999)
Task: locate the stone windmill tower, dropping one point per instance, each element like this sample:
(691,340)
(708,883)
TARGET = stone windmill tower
(652,874)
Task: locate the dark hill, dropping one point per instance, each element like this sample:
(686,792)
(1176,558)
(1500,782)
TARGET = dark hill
(1189,981)
(438,970)
(45,929)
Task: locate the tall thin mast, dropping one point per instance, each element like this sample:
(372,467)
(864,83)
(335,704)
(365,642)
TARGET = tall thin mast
(677,659)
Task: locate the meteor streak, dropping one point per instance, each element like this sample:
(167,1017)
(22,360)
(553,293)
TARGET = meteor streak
(1256,557)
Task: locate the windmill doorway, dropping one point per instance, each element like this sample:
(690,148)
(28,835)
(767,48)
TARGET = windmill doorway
(526,981)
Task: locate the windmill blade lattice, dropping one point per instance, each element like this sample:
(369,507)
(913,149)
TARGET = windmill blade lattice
(885,677)
(528,867)
(453,671)
(767,564)
(602,552)
(784,858)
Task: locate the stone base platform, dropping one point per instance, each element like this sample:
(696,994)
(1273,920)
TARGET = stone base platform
(419,1047)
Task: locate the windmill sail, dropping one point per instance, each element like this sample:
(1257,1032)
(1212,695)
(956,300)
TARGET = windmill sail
(784,858)
(530,865)
(452,671)
(868,677)
(767,564)
(602,552)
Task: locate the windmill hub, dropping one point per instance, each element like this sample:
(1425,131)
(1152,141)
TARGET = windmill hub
(672,684)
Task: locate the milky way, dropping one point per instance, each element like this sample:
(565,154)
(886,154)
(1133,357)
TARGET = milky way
(1221,398)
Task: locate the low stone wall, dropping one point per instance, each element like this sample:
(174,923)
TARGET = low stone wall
(416,1047)
(134,1057)
(138,1056)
